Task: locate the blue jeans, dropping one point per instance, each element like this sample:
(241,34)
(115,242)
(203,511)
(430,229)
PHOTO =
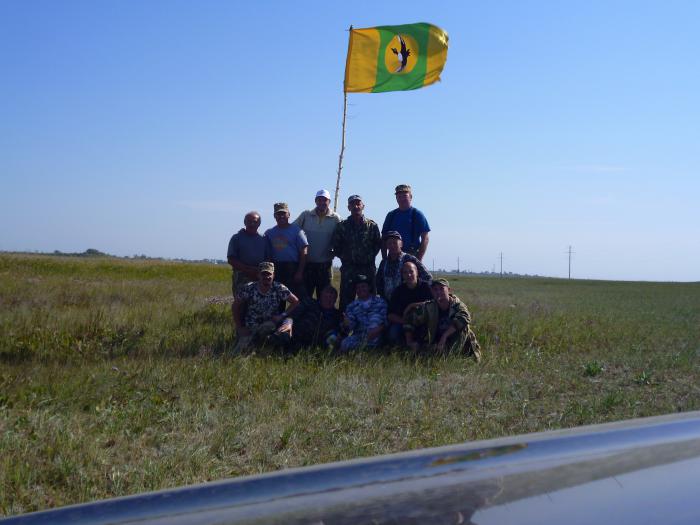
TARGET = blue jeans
(395,335)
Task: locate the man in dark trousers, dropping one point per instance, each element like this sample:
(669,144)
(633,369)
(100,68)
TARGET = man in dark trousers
(356,242)
(246,250)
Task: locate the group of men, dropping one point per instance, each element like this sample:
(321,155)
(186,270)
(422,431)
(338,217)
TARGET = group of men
(276,275)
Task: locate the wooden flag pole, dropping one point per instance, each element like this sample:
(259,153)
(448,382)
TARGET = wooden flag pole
(342,140)
(342,150)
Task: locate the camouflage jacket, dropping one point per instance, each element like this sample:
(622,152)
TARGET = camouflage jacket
(426,314)
(357,243)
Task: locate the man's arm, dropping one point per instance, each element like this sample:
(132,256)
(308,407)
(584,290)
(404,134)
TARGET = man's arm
(238,303)
(385,228)
(293,301)
(425,239)
(379,278)
(440,345)
(299,275)
(299,221)
(337,241)
(412,319)
(250,271)
(377,243)
(423,273)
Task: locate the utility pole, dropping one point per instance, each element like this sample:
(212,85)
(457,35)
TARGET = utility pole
(433,265)
(570,252)
(501,264)
(457,264)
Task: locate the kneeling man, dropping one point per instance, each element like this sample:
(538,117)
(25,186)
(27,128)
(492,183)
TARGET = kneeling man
(261,300)
(441,324)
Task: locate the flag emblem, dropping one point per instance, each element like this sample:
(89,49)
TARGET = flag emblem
(394,58)
(401,54)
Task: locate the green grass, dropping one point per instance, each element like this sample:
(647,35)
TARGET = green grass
(115,377)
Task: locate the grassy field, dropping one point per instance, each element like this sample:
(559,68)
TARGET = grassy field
(115,378)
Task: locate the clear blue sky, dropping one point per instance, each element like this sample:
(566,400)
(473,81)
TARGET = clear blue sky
(152,127)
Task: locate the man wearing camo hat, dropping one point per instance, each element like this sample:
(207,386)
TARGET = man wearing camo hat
(409,222)
(356,242)
(288,248)
(260,300)
(441,325)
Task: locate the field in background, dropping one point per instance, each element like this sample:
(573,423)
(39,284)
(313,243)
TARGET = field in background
(115,378)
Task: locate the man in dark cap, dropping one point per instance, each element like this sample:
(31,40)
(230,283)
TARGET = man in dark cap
(389,272)
(442,324)
(261,301)
(409,222)
(356,242)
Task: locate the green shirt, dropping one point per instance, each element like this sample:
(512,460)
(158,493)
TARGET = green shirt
(357,244)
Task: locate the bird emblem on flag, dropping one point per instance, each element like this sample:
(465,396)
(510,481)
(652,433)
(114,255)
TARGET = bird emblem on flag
(402,55)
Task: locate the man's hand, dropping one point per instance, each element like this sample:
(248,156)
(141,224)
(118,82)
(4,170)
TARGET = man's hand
(440,346)
(413,345)
(285,327)
(244,330)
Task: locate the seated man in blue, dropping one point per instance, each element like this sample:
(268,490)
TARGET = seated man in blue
(365,318)
(409,222)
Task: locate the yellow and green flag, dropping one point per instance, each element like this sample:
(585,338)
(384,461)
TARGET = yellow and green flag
(394,58)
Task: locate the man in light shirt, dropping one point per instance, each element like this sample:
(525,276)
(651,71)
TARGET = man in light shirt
(319,224)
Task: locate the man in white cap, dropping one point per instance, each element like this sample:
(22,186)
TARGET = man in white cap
(319,224)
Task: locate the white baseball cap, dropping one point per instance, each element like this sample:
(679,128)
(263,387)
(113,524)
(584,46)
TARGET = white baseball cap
(324,193)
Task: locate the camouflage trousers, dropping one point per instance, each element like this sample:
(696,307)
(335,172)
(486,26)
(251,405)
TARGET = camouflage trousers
(258,335)
(348,277)
(464,342)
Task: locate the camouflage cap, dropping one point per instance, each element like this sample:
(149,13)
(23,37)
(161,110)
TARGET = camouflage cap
(402,187)
(441,282)
(281,206)
(391,234)
(354,198)
(266,267)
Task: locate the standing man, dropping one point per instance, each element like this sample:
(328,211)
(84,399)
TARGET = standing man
(288,248)
(318,225)
(409,222)
(246,250)
(356,242)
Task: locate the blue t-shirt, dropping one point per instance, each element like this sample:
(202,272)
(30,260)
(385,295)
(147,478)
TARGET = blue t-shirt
(285,243)
(402,222)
